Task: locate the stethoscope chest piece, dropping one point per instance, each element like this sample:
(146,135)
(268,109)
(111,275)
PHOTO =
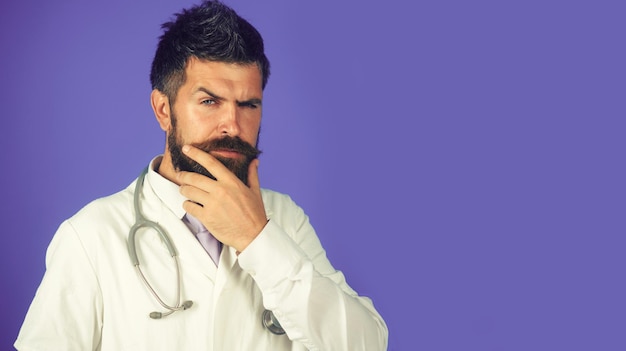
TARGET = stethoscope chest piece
(271,323)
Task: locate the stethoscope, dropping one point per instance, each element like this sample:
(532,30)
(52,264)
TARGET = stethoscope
(268,319)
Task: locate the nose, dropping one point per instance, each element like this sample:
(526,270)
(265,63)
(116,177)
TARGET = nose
(229,122)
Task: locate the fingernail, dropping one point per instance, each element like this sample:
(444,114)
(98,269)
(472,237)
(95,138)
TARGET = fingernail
(185,148)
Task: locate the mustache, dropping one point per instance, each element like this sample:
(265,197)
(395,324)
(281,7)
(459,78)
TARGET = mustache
(231,144)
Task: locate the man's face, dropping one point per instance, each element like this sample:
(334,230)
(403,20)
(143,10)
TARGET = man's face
(217,109)
(237,165)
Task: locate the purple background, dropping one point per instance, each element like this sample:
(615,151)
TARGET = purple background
(462,161)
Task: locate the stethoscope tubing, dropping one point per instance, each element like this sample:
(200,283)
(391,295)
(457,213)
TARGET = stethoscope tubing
(142,222)
(268,319)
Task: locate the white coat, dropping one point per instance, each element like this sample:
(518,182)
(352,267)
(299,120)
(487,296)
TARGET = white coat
(91,297)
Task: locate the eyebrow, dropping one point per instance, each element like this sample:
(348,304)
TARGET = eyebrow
(255,101)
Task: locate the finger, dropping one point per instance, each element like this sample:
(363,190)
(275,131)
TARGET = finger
(192,208)
(195,194)
(209,162)
(253,176)
(195,179)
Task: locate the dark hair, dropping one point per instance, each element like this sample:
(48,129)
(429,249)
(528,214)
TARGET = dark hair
(209,31)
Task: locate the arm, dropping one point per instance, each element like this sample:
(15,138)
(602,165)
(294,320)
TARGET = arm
(307,295)
(312,300)
(67,309)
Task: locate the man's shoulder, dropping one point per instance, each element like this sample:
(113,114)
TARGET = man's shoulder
(281,206)
(273,198)
(99,221)
(121,201)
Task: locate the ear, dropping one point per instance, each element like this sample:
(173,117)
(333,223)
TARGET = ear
(162,109)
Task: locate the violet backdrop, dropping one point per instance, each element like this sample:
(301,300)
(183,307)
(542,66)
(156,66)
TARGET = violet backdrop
(462,161)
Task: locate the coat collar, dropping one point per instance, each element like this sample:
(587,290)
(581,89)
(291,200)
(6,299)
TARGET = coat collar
(165,190)
(163,204)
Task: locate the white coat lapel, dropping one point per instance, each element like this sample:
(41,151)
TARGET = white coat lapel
(190,252)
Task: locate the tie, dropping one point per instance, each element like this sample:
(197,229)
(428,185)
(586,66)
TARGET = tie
(211,245)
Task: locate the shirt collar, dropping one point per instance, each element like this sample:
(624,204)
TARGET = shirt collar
(167,191)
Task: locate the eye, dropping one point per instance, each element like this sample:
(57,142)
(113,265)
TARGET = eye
(208,102)
(250,105)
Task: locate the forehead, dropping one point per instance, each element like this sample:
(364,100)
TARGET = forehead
(224,75)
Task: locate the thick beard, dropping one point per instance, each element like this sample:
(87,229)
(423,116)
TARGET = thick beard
(238,167)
